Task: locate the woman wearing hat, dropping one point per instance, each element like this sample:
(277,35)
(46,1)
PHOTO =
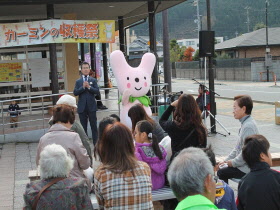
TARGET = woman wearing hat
(76,126)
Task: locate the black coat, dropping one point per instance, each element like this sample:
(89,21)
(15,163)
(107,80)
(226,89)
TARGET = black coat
(178,135)
(86,96)
(259,189)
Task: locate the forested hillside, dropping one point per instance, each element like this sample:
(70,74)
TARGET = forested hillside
(229,18)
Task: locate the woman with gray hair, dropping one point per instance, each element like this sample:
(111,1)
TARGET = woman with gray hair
(191,178)
(56,190)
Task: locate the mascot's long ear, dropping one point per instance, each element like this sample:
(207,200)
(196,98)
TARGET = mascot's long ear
(118,62)
(148,62)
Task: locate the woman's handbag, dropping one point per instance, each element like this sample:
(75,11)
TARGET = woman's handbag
(173,156)
(181,145)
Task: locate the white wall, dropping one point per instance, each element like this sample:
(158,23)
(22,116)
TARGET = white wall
(194,43)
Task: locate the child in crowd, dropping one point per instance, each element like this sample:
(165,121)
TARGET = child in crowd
(14,113)
(102,125)
(224,194)
(116,117)
(148,150)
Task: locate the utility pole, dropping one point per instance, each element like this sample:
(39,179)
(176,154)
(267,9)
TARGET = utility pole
(248,19)
(198,17)
(267,49)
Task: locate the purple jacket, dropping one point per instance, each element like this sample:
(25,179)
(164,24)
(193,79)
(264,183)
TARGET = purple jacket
(144,152)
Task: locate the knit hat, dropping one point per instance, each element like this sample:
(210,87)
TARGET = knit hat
(67,100)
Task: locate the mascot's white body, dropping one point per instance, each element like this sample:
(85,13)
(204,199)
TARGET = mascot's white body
(132,82)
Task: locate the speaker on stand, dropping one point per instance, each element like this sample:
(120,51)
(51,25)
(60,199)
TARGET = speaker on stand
(206,49)
(206,43)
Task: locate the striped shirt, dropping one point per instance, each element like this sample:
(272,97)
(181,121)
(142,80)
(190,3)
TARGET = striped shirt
(123,191)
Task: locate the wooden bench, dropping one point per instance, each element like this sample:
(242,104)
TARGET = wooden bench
(235,180)
(160,194)
(34,175)
(275,159)
(275,156)
(157,195)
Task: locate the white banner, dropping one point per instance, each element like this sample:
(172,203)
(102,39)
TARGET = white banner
(39,72)
(57,31)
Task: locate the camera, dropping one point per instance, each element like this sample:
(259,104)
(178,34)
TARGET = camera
(175,96)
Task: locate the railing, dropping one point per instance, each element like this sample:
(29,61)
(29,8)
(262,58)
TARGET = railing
(37,110)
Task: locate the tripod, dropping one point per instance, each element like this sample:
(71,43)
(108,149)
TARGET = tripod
(205,110)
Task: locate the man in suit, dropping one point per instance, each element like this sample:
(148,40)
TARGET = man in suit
(86,88)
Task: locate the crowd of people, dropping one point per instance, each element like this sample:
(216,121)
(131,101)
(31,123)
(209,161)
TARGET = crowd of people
(127,164)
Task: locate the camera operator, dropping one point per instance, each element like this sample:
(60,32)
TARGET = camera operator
(200,98)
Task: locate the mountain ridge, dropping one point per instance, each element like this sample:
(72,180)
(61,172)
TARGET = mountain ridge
(228,18)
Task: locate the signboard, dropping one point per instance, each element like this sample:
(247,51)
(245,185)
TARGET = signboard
(40,69)
(98,64)
(268,59)
(57,31)
(10,72)
(87,59)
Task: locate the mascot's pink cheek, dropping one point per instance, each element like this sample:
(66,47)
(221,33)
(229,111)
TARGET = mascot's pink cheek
(128,85)
(145,84)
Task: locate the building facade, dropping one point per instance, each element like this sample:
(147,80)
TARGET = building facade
(194,43)
(251,45)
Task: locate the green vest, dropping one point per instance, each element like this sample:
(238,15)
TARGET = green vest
(196,202)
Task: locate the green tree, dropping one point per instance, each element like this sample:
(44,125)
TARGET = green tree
(259,26)
(176,52)
(173,44)
(223,56)
(174,56)
(181,53)
(196,56)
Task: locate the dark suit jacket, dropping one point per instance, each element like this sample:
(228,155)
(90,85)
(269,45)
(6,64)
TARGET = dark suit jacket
(86,96)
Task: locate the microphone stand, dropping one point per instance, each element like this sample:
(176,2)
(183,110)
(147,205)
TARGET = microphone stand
(205,110)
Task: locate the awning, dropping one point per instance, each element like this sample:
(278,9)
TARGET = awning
(131,10)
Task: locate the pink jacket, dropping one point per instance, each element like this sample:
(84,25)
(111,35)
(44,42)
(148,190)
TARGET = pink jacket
(71,142)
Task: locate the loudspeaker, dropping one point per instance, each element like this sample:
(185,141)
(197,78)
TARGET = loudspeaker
(206,43)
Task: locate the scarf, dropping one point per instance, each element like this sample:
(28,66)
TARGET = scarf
(145,100)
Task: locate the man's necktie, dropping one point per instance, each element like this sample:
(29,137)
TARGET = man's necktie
(86,78)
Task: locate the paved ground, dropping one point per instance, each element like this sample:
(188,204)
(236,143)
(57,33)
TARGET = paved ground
(17,159)
(260,91)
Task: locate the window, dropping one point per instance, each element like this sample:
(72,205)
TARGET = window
(190,43)
(19,82)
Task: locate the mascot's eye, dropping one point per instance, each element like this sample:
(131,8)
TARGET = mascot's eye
(127,78)
(145,78)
